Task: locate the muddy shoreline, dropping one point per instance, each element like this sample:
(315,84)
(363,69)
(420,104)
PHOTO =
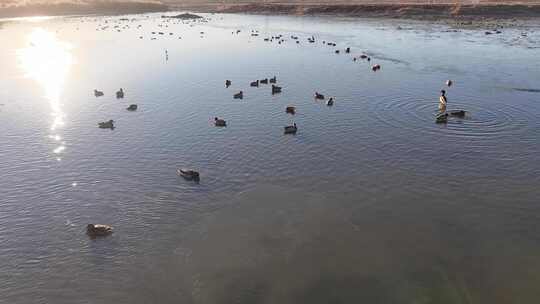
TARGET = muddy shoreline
(407,11)
(463,14)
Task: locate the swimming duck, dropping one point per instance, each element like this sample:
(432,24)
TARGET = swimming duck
(291,129)
(337,51)
(276,89)
(120,94)
(227,83)
(457,113)
(264,81)
(449,83)
(290,110)
(376,67)
(319,96)
(330,102)
(95,230)
(239,95)
(98,93)
(220,122)
(188,174)
(254,84)
(363,56)
(132,107)
(348,50)
(106,124)
(442,101)
(441,118)
(273,79)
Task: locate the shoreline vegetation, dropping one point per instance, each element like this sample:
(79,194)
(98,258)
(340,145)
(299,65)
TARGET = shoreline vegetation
(415,10)
(389,10)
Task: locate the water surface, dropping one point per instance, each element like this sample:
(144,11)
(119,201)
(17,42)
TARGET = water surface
(370,201)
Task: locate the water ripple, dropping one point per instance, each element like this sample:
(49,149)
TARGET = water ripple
(481,121)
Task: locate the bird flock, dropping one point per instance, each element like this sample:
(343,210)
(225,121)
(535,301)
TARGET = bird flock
(271,82)
(192,20)
(109,124)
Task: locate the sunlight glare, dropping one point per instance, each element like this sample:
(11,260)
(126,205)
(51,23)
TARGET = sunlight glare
(48,61)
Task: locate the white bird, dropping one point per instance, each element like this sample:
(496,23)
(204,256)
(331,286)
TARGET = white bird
(442,101)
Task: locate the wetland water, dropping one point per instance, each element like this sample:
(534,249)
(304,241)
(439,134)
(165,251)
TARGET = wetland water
(370,202)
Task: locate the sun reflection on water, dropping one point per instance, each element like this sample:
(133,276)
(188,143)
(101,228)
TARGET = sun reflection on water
(48,61)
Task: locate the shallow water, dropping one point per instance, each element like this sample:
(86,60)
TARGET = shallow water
(370,201)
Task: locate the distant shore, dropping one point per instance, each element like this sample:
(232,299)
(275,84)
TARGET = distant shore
(486,10)
(98,8)
(412,11)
